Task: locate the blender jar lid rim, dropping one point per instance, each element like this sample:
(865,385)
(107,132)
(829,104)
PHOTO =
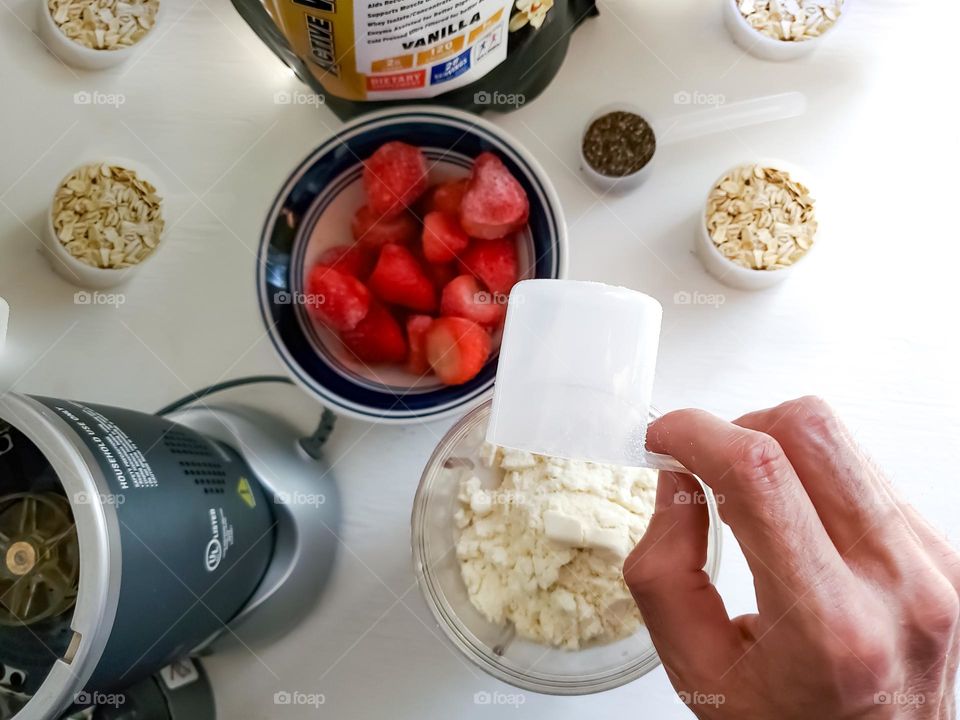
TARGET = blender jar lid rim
(98,539)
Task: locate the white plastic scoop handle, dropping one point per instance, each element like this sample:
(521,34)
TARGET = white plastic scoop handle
(575,375)
(730,116)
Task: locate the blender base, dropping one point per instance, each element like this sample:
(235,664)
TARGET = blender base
(306,506)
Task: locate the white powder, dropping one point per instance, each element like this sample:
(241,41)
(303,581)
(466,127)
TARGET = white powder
(544,549)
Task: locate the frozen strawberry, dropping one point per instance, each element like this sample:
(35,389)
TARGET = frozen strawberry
(378,338)
(465,297)
(443,238)
(441,273)
(447,196)
(494,263)
(495,204)
(457,349)
(372,231)
(399,278)
(335,298)
(417,326)
(394,177)
(350,259)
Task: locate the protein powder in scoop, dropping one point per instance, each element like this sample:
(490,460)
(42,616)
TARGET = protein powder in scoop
(619,144)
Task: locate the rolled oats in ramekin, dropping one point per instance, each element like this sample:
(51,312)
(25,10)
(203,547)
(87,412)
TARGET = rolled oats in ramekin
(107,216)
(761,218)
(104,24)
(791,20)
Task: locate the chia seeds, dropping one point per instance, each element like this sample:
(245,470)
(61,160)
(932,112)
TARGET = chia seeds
(619,144)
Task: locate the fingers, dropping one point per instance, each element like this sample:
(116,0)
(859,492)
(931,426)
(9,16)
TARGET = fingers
(682,609)
(860,510)
(842,485)
(789,552)
(942,553)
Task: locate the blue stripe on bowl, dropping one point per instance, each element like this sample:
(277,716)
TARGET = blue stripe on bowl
(309,190)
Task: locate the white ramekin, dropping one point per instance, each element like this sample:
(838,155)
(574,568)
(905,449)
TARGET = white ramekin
(761,46)
(727,271)
(79,273)
(80,56)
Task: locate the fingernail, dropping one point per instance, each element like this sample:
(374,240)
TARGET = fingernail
(666,491)
(653,432)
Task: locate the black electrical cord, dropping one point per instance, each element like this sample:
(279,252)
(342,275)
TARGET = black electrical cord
(220,387)
(311,444)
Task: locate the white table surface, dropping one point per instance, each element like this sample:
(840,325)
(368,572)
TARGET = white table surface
(871,323)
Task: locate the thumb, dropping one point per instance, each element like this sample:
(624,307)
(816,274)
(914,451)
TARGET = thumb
(685,615)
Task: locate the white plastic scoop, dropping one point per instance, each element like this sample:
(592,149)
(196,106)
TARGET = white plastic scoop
(575,375)
(694,124)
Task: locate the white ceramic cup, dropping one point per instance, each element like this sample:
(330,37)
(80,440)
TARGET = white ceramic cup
(80,56)
(768,48)
(80,273)
(727,271)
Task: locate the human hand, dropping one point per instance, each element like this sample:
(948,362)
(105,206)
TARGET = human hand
(857,595)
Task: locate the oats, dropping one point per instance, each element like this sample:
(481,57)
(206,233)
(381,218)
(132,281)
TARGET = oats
(791,20)
(770,226)
(104,24)
(107,216)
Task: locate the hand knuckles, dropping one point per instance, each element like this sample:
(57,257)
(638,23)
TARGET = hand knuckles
(641,572)
(812,416)
(863,662)
(760,462)
(934,614)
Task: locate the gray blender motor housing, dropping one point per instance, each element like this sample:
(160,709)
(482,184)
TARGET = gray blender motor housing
(306,505)
(150,587)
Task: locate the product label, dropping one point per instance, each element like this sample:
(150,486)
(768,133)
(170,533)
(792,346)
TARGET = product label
(395,49)
(425,35)
(120,454)
(221,539)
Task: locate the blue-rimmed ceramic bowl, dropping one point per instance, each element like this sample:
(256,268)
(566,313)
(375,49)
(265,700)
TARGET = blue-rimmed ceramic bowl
(313,212)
